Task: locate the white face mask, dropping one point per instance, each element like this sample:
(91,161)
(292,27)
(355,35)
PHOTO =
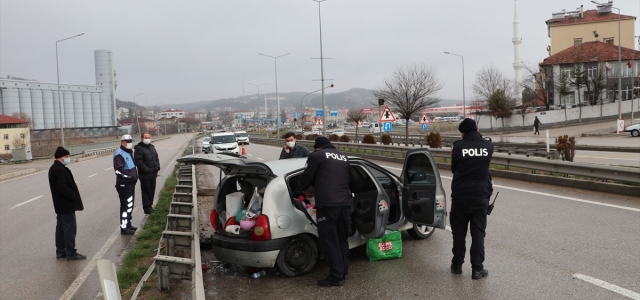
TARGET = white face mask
(291,144)
(66,161)
(146,141)
(129,145)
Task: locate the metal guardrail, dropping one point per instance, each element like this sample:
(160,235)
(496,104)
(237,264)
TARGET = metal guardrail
(621,174)
(100,151)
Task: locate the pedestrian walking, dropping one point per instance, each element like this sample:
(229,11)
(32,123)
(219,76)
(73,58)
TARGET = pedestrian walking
(328,171)
(471,189)
(66,201)
(146,159)
(291,149)
(536,124)
(126,178)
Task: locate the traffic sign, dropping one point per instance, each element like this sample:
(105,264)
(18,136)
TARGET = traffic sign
(319,121)
(387,126)
(620,125)
(293,114)
(240,116)
(333,113)
(424,119)
(387,115)
(319,113)
(425,126)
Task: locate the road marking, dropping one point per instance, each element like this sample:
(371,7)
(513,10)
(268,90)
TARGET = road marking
(75,285)
(548,195)
(259,158)
(598,157)
(23,203)
(109,168)
(92,175)
(609,286)
(250,154)
(21,177)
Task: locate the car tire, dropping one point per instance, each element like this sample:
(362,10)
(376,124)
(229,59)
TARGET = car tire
(420,232)
(635,133)
(298,256)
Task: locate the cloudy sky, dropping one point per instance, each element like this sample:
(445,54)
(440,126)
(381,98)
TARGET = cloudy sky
(185,51)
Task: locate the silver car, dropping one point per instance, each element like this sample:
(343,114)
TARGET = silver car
(285,234)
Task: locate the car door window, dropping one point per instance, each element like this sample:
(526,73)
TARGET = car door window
(388,182)
(418,165)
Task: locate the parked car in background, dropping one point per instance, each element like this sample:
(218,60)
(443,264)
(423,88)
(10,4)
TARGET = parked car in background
(338,132)
(206,145)
(633,129)
(242,137)
(224,142)
(285,235)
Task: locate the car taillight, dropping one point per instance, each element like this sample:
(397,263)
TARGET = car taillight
(213,218)
(261,230)
(231,221)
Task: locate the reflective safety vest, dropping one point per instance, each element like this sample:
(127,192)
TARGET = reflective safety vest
(128,160)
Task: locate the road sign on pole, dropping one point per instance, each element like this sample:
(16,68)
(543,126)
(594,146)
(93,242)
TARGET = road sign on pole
(425,126)
(387,115)
(319,121)
(424,119)
(387,126)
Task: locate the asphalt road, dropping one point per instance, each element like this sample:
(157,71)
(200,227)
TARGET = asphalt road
(543,242)
(28,266)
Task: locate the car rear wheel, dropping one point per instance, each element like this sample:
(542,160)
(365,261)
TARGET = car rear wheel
(635,133)
(298,256)
(421,231)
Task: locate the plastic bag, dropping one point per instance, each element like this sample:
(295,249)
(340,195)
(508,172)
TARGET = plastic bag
(389,246)
(255,205)
(233,204)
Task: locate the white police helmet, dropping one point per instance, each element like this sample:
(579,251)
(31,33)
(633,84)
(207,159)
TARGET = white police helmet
(127,137)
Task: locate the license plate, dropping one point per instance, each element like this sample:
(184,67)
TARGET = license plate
(226,151)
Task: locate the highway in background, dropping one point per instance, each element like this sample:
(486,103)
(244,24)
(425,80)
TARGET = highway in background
(28,265)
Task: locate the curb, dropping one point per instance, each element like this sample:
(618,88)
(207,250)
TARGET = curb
(18,173)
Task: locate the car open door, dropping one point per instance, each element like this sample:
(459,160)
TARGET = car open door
(371,204)
(423,198)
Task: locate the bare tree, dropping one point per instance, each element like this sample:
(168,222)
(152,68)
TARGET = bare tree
(489,80)
(562,85)
(578,80)
(539,79)
(226,117)
(409,90)
(355,115)
(595,84)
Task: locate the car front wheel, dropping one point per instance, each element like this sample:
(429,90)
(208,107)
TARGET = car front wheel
(298,256)
(421,231)
(635,133)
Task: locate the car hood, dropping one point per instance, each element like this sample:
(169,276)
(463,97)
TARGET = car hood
(229,164)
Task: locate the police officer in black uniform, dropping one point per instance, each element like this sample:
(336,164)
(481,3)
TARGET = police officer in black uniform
(328,171)
(471,189)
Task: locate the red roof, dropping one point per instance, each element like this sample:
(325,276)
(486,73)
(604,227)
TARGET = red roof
(4,119)
(590,16)
(590,52)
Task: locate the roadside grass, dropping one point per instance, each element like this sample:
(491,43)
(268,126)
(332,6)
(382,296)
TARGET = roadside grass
(138,260)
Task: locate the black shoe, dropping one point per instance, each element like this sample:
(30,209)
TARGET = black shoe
(59,256)
(127,231)
(133,228)
(477,274)
(149,211)
(456,269)
(346,276)
(329,282)
(76,256)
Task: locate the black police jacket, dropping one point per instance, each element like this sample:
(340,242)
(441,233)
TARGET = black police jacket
(146,159)
(470,160)
(328,171)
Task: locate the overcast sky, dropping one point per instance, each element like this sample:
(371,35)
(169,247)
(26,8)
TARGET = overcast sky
(185,51)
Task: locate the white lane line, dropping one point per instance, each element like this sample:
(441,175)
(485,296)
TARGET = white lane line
(549,195)
(609,286)
(109,168)
(259,158)
(23,203)
(76,284)
(598,157)
(92,175)
(250,154)
(448,228)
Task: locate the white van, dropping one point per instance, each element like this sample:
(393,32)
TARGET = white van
(242,137)
(224,142)
(374,128)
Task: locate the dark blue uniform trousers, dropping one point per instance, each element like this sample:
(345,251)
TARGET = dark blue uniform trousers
(469,214)
(333,232)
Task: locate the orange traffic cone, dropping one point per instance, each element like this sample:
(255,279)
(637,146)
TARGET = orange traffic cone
(244,151)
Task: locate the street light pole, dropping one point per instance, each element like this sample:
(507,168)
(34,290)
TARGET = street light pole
(135,106)
(275,64)
(324,126)
(266,113)
(328,86)
(61,119)
(464,99)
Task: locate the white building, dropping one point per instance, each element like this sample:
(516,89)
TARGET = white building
(171,113)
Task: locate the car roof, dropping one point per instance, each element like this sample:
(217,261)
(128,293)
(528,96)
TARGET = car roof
(223,133)
(284,166)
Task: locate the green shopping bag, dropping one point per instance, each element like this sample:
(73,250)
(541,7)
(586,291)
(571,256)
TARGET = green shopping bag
(389,246)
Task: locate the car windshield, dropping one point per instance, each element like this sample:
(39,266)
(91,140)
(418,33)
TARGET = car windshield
(224,139)
(206,139)
(241,134)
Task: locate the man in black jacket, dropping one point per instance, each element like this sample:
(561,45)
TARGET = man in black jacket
(471,189)
(126,178)
(328,171)
(291,149)
(66,201)
(146,159)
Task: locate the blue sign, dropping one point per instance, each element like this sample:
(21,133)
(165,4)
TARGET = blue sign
(240,116)
(387,126)
(293,114)
(425,126)
(319,113)
(333,113)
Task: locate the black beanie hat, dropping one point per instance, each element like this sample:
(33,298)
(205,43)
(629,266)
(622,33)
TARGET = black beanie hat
(467,125)
(60,152)
(321,142)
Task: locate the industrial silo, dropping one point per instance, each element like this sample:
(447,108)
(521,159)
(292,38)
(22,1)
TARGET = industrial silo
(86,107)
(105,80)
(56,107)
(48,105)
(78,113)
(95,108)
(25,101)
(11,101)
(37,108)
(67,107)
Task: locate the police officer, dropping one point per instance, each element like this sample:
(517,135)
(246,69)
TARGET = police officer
(126,177)
(470,192)
(328,171)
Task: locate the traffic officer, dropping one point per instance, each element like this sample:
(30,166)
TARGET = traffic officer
(328,171)
(126,177)
(471,189)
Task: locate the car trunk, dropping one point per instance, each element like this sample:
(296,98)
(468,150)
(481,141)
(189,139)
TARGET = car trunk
(245,184)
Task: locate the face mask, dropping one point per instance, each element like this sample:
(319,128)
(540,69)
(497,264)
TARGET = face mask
(291,144)
(66,161)
(129,146)
(146,141)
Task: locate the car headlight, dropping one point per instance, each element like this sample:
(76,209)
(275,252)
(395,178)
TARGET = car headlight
(233,147)
(218,148)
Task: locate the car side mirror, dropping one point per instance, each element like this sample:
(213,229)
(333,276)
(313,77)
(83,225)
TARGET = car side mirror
(418,177)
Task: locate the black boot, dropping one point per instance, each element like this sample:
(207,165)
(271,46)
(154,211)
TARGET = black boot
(456,269)
(479,273)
